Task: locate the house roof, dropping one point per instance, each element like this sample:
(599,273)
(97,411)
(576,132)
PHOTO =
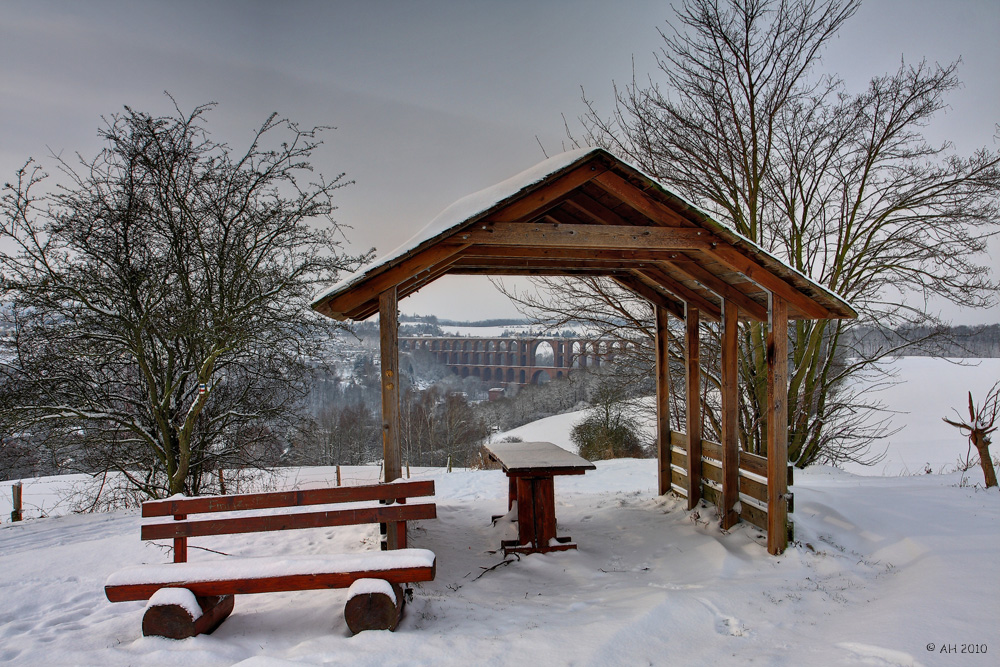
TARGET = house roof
(586,212)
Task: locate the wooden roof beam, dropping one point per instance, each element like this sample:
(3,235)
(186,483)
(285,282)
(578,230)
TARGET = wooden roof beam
(711,310)
(695,271)
(547,235)
(346,303)
(732,258)
(595,210)
(622,255)
(633,284)
(616,185)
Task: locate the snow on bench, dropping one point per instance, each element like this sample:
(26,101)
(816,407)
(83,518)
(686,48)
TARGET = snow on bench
(187,599)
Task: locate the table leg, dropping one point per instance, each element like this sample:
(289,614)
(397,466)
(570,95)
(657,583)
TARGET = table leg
(536,511)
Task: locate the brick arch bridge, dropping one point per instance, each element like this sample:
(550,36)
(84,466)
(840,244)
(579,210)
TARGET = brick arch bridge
(515,360)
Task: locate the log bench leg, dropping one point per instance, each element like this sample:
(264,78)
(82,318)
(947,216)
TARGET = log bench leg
(373,604)
(175,621)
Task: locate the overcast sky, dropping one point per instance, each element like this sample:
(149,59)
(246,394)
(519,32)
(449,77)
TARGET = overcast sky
(432,100)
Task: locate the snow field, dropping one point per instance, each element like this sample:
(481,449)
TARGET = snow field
(881,568)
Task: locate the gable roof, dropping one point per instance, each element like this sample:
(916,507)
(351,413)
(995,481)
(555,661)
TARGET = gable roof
(586,212)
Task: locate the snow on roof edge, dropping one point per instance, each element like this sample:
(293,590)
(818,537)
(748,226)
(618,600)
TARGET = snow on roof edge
(462,210)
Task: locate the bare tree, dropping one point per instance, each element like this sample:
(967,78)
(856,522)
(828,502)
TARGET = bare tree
(982,422)
(158,297)
(842,187)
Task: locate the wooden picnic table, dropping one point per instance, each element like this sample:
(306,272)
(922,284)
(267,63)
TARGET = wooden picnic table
(530,468)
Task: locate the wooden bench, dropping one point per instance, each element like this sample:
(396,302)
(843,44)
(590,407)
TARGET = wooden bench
(186,599)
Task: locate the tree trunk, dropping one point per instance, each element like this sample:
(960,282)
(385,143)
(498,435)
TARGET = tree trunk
(982,444)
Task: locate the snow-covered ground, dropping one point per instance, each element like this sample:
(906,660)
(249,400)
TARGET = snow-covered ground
(925,390)
(894,570)
(882,569)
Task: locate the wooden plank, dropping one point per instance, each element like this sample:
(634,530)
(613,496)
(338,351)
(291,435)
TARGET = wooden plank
(753,463)
(712,471)
(730,414)
(550,194)
(542,235)
(302,498)
(692,392)
(637,199)
(769,281)
(749,513)
(777,425)
(679,480)
(662,319)
(750,463)
(297,582)
(728,292)
(535,271)
(272,522)
(633,284)
(389,347)
(529,264)
(630,256)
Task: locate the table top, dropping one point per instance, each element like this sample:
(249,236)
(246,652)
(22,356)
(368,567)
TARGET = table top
(537,457)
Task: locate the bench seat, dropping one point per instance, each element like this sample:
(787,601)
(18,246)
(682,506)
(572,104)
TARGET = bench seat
(271,574)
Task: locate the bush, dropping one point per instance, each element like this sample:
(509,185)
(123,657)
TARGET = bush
(600,439)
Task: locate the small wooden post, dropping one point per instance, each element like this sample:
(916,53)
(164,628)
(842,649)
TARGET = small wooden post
(693,391)
(777,425)
(180,543)
(730,421)
(16,515)
(662,398)
(338,475)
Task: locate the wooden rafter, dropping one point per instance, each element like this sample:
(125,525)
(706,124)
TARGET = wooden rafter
(659,213)
(549,195)
(651,294)
(693,270)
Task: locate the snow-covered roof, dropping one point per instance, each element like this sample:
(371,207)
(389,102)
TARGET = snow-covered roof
(462,211)
(590,187)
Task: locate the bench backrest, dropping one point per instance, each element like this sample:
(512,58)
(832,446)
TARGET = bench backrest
(181,528)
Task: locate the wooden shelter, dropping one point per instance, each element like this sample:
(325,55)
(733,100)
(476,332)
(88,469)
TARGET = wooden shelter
(586,212)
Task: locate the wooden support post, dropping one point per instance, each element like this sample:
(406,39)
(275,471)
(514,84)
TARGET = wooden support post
(693,393)
(662,398)
(777,424)
(389,345)
(730,421)
(17,514)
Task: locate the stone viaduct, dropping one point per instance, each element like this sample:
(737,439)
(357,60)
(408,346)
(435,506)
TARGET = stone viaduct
(520,360)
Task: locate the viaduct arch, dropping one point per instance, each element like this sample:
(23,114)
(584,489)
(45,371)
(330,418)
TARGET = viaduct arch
(516,360)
